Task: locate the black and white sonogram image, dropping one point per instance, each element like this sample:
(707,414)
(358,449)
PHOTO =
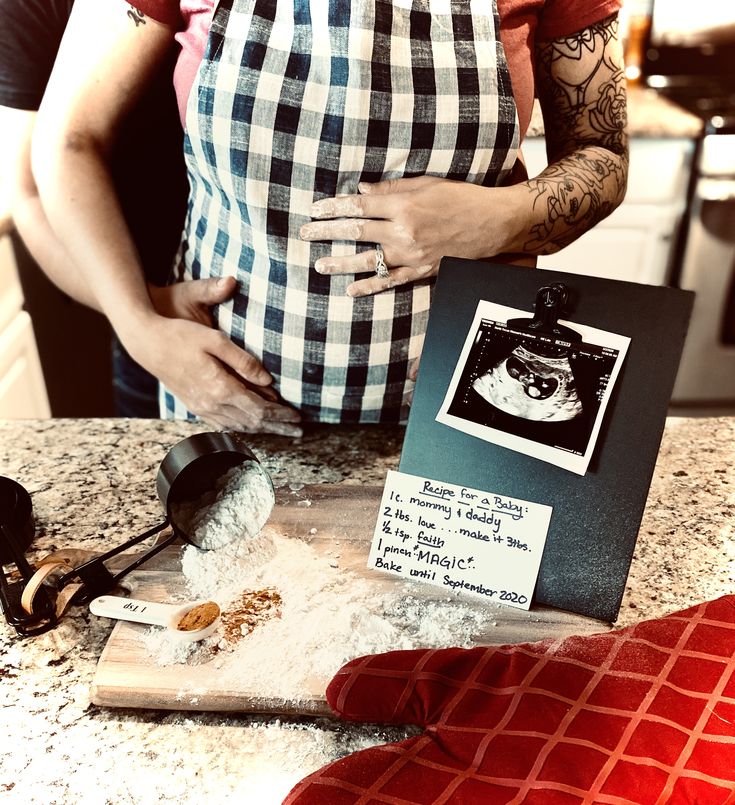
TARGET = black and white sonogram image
(534,387)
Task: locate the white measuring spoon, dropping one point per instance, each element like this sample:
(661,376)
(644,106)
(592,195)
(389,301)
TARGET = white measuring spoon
(172,616)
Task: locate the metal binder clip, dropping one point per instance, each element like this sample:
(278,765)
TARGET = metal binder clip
(551,303)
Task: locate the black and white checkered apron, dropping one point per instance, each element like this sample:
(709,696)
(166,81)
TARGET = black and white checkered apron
(298,101)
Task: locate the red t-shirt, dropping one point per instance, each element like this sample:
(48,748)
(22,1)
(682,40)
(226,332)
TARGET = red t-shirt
(521,23)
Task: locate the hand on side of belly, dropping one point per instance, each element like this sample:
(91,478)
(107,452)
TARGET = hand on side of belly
(215,379)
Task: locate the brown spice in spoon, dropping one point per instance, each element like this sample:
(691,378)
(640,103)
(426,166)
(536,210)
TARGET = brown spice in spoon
(199,617)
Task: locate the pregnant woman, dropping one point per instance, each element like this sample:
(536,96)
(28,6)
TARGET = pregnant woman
(336,152)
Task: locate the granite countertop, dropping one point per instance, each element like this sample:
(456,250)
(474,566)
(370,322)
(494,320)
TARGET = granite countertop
(649,115)
(93,485)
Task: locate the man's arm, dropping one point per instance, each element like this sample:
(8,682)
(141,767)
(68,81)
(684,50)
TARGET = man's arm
(28,214)
(107,55)
(102,65)
(183,300)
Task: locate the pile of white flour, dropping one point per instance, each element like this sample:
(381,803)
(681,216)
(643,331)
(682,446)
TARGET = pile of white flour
(328,615)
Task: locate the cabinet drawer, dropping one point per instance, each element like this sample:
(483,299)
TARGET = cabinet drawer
(633,244)
(22,388)
(659,169)
(627,254)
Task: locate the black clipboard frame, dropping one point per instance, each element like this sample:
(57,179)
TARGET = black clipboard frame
(596,517)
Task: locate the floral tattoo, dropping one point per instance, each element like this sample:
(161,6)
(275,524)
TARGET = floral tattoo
(581,88)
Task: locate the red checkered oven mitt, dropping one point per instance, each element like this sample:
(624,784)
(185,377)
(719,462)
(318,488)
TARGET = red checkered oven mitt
(645,714)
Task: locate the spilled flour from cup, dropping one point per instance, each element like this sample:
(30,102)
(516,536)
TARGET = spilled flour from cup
(325,616)
(304,616)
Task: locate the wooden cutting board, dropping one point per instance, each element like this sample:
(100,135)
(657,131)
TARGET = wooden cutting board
(320,515)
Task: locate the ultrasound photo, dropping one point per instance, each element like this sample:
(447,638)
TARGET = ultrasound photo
(532,393)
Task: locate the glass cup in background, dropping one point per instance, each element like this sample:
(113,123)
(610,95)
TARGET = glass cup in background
(635,25)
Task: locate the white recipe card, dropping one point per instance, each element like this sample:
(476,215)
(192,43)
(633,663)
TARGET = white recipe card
(460,538)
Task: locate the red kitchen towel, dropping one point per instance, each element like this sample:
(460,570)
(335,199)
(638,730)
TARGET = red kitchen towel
(641,715)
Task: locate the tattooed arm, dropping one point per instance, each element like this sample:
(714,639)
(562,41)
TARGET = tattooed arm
(581,88)
(420,220)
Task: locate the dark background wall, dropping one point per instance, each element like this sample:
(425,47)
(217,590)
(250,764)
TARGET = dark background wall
(73,344)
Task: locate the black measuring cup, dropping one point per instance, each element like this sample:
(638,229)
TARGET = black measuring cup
(16,534)
(191,468)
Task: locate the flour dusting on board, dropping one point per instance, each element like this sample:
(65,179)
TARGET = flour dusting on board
(295,617)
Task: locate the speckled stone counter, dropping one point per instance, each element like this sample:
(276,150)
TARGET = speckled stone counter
(93,485)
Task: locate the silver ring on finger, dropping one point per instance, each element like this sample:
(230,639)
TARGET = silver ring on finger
(381,269)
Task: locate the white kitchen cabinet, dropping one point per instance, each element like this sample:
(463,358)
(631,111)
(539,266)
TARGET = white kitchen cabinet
(11,296)
(22,388)
(634,243)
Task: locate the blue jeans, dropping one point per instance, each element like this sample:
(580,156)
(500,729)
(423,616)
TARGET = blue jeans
(134,390)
